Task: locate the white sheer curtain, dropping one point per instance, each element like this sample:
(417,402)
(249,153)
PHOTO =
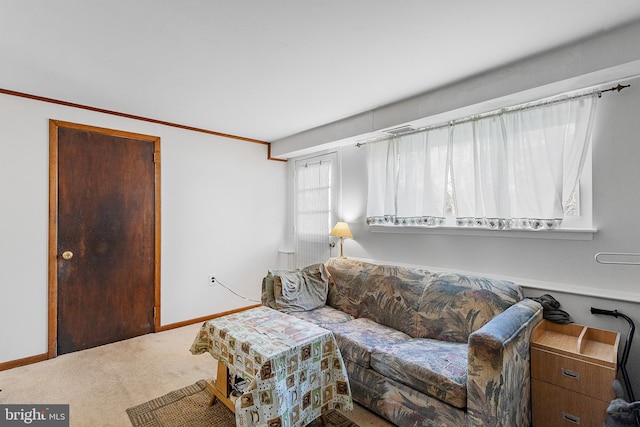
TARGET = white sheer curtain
(313,211)
(518,168)
(382,169)
(408,179)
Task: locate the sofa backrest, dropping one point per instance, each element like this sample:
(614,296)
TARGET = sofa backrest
(418,302)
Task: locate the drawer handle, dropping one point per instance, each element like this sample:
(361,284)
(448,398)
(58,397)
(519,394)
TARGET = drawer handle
(571,418)
(570,374)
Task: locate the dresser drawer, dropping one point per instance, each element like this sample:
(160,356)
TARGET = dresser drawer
(573,374)
(557,407)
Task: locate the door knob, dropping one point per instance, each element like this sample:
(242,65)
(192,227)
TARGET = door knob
(67,255)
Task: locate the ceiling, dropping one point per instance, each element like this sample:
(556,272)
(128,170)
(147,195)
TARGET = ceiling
(267,69)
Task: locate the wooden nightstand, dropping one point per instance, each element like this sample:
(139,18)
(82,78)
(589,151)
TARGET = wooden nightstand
(572,369)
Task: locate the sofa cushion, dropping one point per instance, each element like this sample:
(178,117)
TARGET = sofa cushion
(392,296)
(347,283)
(301,290)
(359,337)
(324,316)
(437,368)
(454,306)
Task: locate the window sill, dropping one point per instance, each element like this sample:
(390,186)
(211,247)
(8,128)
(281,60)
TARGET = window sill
(560,234)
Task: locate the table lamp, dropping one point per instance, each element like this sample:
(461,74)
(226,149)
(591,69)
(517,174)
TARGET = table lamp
(341,230)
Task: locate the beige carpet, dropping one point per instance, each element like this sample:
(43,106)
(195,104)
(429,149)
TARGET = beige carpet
(189,407)
(99,384)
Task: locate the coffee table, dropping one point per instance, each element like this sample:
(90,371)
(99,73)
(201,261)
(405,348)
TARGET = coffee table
(294,367)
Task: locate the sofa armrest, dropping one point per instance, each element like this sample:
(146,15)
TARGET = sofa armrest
(499,380)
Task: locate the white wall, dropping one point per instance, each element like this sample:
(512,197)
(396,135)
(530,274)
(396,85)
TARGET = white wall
(616,203)
(565,268)
(221,212)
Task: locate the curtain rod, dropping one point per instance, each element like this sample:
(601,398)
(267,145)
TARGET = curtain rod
(520,107)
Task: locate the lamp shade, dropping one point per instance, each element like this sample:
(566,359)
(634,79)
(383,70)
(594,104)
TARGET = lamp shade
(341,229)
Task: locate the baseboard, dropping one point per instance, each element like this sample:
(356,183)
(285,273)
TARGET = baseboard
(22,362)
(203,319)
(42,357)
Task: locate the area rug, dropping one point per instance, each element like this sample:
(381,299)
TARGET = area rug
(189,407)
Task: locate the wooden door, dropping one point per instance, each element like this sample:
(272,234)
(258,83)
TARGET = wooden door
(106,237)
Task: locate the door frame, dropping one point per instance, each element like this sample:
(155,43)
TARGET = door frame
(53,223)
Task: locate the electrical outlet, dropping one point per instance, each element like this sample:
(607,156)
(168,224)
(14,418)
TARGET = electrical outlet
(212,280)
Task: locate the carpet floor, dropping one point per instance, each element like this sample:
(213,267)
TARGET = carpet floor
(189,407)
(100,383)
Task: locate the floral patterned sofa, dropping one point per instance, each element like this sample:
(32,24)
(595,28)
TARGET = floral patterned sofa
(422,348)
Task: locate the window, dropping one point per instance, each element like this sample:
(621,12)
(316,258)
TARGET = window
(518,168)
(315,207)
